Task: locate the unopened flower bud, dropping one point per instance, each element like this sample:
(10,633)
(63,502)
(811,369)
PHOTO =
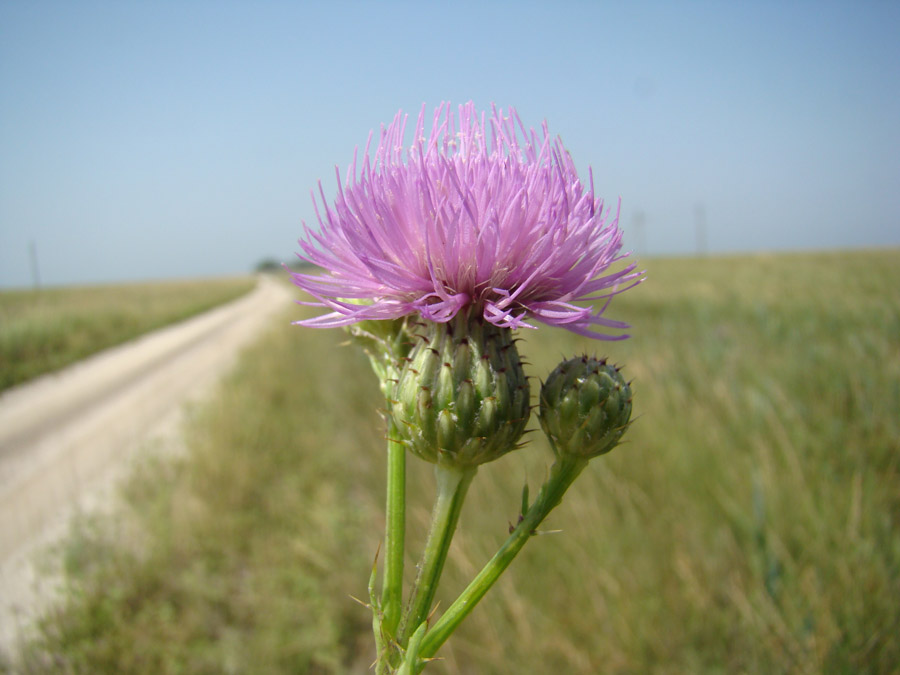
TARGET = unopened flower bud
(585,407)
(384,342)
(462,395)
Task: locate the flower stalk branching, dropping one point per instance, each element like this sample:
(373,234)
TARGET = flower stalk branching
(432,258)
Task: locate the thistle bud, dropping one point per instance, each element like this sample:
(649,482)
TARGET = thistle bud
(462,395)
(585,407)
(384,342)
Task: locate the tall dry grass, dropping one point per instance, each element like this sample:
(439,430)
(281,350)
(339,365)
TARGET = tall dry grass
(748,523)
(43,330)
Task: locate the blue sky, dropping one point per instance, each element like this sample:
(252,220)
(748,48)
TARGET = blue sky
(182,139)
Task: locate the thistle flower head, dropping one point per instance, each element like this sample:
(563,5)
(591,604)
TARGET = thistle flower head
(478,215)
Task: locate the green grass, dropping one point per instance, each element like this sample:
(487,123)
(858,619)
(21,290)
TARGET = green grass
(43,330)
(749,522)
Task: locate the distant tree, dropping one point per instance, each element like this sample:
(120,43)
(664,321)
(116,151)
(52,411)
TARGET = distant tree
(268,266)
(299,265)
(273,266)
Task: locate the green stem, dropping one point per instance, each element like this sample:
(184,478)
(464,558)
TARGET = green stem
(394,538)
(562,474)
(452,485)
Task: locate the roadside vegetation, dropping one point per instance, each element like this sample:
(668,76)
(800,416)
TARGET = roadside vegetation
(750,522)
(43,330)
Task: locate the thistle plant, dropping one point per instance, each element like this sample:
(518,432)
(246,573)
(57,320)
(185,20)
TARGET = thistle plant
(433,256)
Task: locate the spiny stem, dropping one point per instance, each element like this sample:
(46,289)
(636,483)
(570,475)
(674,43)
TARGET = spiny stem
(564,471)
(452,485)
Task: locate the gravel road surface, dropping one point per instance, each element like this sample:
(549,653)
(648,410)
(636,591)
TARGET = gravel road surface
(66,438)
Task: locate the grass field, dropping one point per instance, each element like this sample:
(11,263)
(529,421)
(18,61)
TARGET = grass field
(750,522)
(43,330)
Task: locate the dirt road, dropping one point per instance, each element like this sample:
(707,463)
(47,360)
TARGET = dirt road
(66,438)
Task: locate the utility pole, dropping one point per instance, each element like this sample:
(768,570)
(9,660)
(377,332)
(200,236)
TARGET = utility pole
(700,228)
(35,270)
(640,236)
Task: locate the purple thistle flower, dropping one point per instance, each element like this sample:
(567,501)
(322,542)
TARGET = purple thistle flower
(505,229)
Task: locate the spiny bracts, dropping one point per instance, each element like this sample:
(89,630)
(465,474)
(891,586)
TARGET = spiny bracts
(585,407)
(462,396)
